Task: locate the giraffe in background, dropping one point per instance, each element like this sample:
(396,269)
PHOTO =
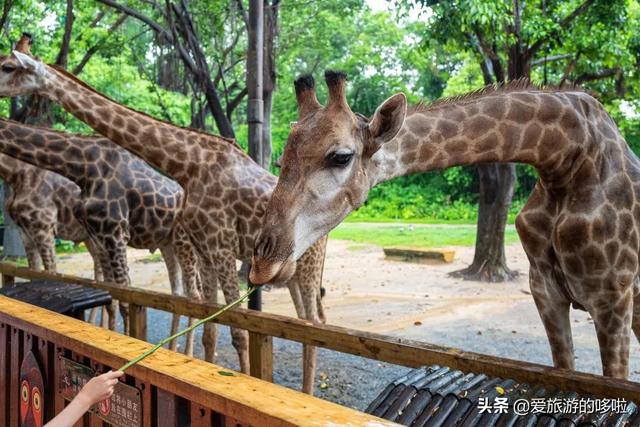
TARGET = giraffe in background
(42,203)
(225,191)
(123,202)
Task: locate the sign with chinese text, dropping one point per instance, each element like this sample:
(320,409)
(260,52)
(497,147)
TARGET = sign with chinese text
(123,409)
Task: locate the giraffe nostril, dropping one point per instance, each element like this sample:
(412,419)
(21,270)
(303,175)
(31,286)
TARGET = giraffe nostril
(265,246)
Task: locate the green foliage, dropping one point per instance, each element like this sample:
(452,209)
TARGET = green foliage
(67,247)
(429,56)
(413,236)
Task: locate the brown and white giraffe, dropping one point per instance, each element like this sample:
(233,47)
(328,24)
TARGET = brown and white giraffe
(42,203)
(121,201)
(226,192)
(580,227)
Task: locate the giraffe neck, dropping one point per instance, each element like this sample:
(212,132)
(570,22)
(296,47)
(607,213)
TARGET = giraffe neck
(547,130)
(9,168)
(163,145)
(65,154)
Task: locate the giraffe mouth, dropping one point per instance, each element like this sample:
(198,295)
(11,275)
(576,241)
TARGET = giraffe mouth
(264,271)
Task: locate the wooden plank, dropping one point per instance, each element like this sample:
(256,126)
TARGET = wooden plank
(373,346)
(5,350)
(239,396)
(14,376)
(7,280)
(145,390)
(167,409)
(138,319)
(200,416)
(261,356)
(420,256)
(59,402)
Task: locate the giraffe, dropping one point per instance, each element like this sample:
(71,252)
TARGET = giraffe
(41,203)
(579,227)
(121,201)
(225,191)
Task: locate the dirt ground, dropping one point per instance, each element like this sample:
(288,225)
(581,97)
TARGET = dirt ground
(367,292)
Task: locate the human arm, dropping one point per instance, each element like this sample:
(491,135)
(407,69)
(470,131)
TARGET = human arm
(96,390)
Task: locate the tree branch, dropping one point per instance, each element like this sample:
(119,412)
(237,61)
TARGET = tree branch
(552,58)
(603,74)
(96,47)
(63,55)
(562,24)
(161,31)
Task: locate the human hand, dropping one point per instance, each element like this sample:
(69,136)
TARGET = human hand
(99,388)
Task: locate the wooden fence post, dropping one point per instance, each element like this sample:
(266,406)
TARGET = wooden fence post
(261,356)
(7,280)
(138,321)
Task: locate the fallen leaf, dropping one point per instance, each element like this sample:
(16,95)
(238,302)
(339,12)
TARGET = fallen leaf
(500,390)
(417,323)
(323,386)
(323,376)
(226,374)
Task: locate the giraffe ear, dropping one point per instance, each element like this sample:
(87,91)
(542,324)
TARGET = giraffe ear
(388,118)
(29,63)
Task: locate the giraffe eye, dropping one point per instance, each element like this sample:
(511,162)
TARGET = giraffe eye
(8,69)
(338,159)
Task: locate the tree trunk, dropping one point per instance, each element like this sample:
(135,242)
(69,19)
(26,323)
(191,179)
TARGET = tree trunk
(266,129)
(497,182)
(271,9)
(12,246)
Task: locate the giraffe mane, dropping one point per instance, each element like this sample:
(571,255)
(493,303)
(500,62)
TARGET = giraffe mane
(52,130)
(522,84)
(66,73)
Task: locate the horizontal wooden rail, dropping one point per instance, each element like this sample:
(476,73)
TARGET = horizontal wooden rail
(373,346)
(245,399)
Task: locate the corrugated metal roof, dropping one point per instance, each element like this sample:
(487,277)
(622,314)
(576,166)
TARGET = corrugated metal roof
(438,396)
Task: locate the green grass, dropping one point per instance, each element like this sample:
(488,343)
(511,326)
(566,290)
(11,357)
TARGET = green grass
(67,247)
(154,257)
(420,237)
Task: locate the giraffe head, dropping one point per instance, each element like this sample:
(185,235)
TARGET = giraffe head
(21,73)
(325,173)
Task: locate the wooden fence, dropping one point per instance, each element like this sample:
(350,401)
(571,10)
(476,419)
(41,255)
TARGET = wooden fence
(166,389)
(263,326)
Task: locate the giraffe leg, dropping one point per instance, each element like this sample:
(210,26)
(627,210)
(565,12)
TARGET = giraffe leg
(305,291)
(228,278)
(45,242)
(175,281)
(612,314)
(553,309)
(210,295)
(109,312)
(98,274)
(635,322)
(188,262)
(116,247)
(33,256)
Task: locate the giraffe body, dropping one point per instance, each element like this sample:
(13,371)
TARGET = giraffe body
(580,227)
(225,191)
(122,201)
(42,203)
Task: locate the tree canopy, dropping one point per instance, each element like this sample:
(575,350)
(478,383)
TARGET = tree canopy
(138,52)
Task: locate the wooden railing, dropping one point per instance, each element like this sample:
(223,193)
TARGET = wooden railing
(263,326)
(166,389)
